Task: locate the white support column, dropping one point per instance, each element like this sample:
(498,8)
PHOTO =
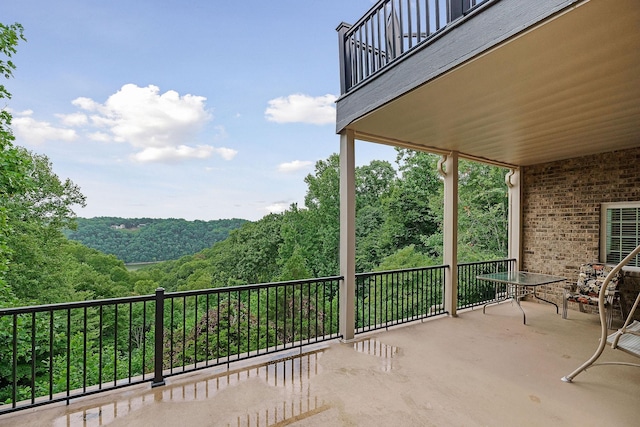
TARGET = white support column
(512,180)
(347,234)
(448,168)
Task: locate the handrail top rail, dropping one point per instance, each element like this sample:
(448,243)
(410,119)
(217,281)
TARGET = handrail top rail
(486,262)
(382,3)
(74,305)
(401,270)
(377,6)
(142,298)
(369,46)
(252,286)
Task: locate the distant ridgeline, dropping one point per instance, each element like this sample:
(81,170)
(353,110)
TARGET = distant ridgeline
(149,239)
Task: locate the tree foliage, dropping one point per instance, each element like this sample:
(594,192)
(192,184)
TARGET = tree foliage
(34,206)
(150,239)
(36,216)
(14,165)
(398,225)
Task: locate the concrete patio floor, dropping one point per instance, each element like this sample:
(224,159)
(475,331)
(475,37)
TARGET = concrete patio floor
(473,370)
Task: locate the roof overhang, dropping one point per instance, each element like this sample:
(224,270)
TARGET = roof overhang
(565,87)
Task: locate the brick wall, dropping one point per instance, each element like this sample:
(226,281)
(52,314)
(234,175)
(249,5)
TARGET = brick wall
(561,212)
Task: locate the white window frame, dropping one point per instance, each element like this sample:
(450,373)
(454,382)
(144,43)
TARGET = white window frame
(632,236)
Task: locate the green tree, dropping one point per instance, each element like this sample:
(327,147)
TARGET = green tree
(374,183)
(406,257)
(374,186)
(147,239)
(34,206)
(14,164)
(36,217)
(323,202)
(298,241)
(483,207)
(410,218)
(295,266)
(49,202)
(145,287)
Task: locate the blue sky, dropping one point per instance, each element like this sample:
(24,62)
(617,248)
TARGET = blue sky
(201,109)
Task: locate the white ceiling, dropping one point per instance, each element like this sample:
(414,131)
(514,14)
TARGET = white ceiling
(568,87)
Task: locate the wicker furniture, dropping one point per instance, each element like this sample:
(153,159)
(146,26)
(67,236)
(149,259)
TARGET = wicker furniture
(587,290)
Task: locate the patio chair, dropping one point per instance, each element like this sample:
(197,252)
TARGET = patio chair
(587,289)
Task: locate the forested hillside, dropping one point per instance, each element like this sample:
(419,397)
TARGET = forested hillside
(150,239)
(398,225)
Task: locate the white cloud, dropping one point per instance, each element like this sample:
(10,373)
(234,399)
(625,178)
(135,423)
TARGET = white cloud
(158,125)
(294,166)
(173,154)
(86,104)
(225,153)
(30,131)
(300,108)
(73,120)
(143,117)
(278,207)
(99,137)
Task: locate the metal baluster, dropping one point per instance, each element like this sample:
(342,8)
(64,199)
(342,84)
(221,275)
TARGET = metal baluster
(14,367)
(33,357)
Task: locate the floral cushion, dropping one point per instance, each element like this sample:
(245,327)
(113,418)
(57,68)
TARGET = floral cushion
(590,281)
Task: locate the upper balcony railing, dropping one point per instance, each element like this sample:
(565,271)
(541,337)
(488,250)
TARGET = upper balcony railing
(389,30)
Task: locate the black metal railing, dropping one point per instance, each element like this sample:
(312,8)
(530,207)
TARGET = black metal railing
(390,298)
(473,292)
(58,352)
(216,326)
(390,29)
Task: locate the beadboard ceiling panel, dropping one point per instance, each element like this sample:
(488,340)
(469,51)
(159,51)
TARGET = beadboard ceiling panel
(567,87)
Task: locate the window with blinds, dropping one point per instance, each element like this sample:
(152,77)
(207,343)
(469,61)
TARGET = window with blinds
(620,232)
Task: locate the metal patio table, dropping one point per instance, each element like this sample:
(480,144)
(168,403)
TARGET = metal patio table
(519,285)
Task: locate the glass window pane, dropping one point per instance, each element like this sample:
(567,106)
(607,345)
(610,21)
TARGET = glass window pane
(622,233)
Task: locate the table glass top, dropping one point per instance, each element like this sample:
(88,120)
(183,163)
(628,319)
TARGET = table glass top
(522,278)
